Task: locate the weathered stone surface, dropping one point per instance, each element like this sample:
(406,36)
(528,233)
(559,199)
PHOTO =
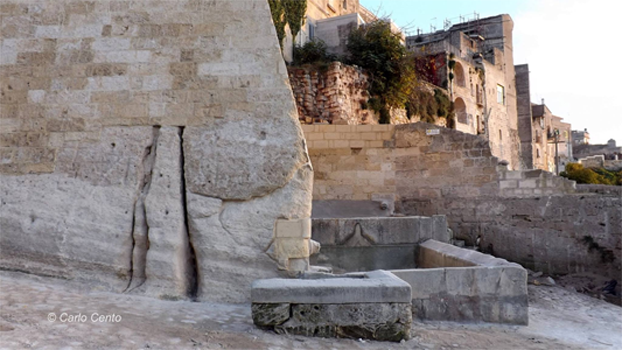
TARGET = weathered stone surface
(77,221)
(83,97)
(266,315)
(366,231)
(231,245)
(247,158)
(378,321)
(169,269)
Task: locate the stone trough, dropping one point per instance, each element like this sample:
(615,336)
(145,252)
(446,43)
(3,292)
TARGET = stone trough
(457,284)
(428,279)
(370,305)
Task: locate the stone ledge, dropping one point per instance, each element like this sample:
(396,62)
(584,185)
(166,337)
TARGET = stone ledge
(368,287)
(433,253)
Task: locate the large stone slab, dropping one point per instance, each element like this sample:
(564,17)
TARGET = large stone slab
(77,221)
(232,242)
(368,287)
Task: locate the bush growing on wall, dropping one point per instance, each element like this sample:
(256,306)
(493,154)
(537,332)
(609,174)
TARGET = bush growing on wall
(313,52)
(375,48)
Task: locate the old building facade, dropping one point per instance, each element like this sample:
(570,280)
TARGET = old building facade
(474,61)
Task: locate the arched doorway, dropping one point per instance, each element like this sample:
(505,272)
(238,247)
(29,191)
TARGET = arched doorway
(461,113)
(459,75)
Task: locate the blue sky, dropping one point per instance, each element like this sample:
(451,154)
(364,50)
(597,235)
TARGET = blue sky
(570,46)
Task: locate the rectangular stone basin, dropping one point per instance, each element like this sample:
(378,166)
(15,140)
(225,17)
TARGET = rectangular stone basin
(457,284)
(371,305)
(372,243)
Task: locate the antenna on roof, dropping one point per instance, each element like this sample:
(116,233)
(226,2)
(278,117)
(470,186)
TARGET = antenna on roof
(446,24)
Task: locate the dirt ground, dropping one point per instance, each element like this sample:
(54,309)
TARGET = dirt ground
(559,319)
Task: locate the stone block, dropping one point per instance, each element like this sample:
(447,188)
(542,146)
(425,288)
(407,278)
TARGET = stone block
(439,226)
(291,248)
(267,315)
(513,281)
(424,283)
(375,286)
(460,281)
(293,228)
(487,280)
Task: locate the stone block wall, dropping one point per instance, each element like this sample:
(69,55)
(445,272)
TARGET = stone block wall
(147,146)
(368,162)
(533,183)
(467,288)
(530,217)
(335,95)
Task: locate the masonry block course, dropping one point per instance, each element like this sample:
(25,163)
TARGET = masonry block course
(531,217)
(139,118)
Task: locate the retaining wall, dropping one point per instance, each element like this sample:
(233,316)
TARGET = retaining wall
(530,217)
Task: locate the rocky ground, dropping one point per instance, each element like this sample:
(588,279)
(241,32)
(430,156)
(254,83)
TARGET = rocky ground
(559,319)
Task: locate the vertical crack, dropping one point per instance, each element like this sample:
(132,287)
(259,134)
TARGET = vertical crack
(192,265)
(140,228)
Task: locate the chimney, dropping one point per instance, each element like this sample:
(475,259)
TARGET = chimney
(542,102)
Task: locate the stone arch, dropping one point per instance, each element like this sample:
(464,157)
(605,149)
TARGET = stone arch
(461,112)
(459,75)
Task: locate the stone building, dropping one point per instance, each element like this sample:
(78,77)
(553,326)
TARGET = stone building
(331,22)
(580,137)
(609,151)
(540,130)
(474,61)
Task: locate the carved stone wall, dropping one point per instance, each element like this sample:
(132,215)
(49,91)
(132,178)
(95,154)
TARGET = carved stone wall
(147,146)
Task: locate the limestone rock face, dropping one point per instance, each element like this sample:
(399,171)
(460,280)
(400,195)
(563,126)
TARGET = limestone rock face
(77,221)
(242,159)
(146,147)
(231,243)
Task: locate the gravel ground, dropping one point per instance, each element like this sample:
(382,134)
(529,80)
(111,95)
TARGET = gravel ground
(559,319)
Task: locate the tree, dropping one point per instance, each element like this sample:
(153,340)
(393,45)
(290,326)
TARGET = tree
(295,11)
(375,48)
(278,18)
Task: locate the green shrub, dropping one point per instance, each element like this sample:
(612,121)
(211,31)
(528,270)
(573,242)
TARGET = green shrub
(312,52)
(599,176)
(375,48)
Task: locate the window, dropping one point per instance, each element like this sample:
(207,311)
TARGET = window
(500,94)
(311,31)
(345,4)
(500,135)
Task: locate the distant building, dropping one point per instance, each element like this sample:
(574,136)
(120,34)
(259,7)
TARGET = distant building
(539,130)
(474,62)
(580,137)
(608,151)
